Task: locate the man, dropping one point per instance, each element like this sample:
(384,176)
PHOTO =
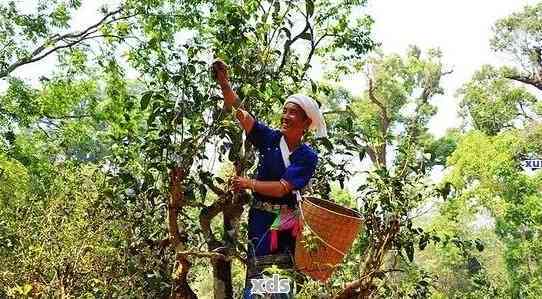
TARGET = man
(272,220)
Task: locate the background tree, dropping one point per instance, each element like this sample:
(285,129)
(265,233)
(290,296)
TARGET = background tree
(389,124)
(512,197)
(28,37)
(486,171)
(492,103)
(520,36)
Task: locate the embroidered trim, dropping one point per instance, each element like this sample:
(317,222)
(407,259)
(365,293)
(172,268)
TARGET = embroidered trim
(268,207)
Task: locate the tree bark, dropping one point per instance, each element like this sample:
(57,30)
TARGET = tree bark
(180,288)
(364,286)
(527,80)
(222,283)
(231,212)
(231,207)
(58,42)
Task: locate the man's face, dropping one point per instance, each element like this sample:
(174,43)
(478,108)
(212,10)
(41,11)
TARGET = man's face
(293,120)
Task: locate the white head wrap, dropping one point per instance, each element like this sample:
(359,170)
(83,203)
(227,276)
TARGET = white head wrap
(313,112)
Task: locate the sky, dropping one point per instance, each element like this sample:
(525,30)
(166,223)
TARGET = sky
(460,28)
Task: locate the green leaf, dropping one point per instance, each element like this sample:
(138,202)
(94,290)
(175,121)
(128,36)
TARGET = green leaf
(126,178)
(310,7)
(151,118)
(164,76)
(276,9)
(145,99)
(306,36)
(409,249)
(473,265)
(203,191)
(327,144)
(287,32)
(362,153)
(423,243)
(233,155)
(479,245)
(362,187)
(314,87)
(191,69)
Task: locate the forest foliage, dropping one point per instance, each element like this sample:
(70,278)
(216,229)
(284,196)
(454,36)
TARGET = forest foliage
(115,165)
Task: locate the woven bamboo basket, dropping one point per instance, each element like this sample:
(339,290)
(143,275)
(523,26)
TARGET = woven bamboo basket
(328,232)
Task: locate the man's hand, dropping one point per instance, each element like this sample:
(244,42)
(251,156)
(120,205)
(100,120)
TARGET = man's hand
(220,71)
(268,188)
(245,119)
(241,183)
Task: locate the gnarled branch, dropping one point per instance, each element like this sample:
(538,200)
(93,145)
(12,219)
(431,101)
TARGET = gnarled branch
(68,40)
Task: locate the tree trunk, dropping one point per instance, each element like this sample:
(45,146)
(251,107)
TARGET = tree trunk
(364,287)
(180,289)
(222,284)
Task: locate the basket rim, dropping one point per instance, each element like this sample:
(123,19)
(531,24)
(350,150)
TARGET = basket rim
(360,218)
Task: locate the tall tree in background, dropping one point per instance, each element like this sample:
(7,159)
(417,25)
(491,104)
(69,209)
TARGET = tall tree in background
(388,124)
(486,169)
(512,198)
(520,36)
(492,103)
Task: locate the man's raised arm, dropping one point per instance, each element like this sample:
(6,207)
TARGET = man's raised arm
(230,97)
